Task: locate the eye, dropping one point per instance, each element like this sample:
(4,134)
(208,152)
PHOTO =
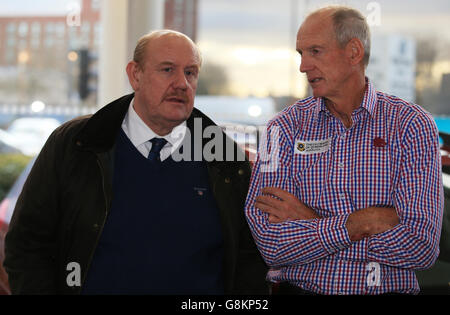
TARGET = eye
(167,69)
(314,51)
(191,73)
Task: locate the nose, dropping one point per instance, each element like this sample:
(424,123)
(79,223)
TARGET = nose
(305,64)
(180,80)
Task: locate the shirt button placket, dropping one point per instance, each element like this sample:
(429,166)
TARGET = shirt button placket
(339,166)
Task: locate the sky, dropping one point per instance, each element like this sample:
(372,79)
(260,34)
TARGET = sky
(254,40)
(35,7)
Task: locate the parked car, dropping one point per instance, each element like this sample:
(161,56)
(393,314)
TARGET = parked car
(433,281)
(7,143)
(30,133)
(230,109)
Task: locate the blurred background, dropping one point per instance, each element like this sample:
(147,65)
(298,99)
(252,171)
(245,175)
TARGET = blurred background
(64,58)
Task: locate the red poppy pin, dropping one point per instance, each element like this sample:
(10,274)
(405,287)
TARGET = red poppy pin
(379,142)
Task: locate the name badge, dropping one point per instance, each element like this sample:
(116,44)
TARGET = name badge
(312,147)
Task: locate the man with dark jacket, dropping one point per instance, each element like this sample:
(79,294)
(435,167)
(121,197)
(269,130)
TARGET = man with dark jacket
(134,200)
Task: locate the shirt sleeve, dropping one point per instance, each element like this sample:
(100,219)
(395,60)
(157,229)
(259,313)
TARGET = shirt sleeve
(293,242)
(419,201)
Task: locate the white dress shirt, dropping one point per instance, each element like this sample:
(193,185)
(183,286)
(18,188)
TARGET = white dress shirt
(140,134)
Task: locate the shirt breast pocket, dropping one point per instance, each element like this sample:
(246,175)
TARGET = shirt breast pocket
(309,173)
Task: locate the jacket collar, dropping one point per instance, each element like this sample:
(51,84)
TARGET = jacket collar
(100,131)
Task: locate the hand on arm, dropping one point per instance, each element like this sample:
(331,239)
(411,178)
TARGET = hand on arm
(282,206)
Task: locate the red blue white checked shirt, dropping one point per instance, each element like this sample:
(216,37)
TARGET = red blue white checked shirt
(356,172)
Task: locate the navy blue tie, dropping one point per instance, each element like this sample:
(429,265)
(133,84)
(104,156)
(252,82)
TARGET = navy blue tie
(157,145)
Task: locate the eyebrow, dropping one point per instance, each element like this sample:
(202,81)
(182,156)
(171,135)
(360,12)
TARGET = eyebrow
(170,63)
(310,48)
(166,63)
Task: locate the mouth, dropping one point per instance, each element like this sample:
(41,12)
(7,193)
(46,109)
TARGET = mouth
(176,99)
(315,80)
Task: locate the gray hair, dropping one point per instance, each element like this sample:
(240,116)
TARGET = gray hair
(349,23)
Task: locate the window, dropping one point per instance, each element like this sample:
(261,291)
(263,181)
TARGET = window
(11,28)
(11,42)
(10,56)
(35,35)
(23,29)
(85,34)
(49,41)
(50,28)
(73,38)
(49,34)
(36,28)
(60,30)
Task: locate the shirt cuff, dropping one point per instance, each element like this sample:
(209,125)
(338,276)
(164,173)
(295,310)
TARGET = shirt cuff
(333,234)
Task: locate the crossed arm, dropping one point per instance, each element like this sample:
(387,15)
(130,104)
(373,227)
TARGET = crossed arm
(360,224)
(406,235)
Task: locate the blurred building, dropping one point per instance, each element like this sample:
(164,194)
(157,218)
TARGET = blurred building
(40,55)
(37,39)
(443,100)
(445,86)
(54,58)
(392,65)
(29,38)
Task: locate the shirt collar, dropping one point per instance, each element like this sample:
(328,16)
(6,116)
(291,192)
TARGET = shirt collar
(370,98)
(369,102)
(139,133)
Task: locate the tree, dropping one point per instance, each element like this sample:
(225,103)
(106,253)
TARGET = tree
(213,80)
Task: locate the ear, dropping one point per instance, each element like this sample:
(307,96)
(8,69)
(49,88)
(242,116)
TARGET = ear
(355,51)
(134,73)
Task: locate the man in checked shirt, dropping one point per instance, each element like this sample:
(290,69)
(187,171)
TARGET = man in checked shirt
(346,194)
